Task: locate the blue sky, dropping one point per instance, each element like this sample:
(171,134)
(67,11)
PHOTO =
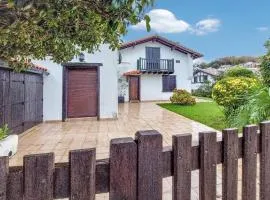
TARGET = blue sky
(214,28)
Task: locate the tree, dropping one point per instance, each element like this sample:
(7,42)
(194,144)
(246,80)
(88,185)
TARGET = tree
(257,106)
(265,65)
(61,29)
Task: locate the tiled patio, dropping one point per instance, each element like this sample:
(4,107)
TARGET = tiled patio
(62,137)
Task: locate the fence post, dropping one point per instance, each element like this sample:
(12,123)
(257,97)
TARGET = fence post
(61,181)
(208,160)
(230,164)
(149,165)
(15,185)
(265,161)
(38,176)
(182,167)
(249,162)
(4,168)
(82,174)
(123,169)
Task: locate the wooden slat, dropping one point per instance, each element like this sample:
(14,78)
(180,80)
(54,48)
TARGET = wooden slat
(230,164)
(149,165)
(3,177)
(182,167)
(38,176)
(123,169)
(265,161)
(15,185)
(249,163)
(102,176)
(208,162)
(82,174)
(61,181)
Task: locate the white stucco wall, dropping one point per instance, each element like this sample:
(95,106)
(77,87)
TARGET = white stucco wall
(52,90)
(151,84)
(108,80)
(53,84)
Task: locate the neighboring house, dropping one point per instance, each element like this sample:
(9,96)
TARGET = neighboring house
(224,68)
(142,70)
(153,67)
(201,76)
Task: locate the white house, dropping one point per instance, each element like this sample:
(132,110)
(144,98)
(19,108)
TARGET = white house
(144,70)
(153,67)
(81,89)
(201,76)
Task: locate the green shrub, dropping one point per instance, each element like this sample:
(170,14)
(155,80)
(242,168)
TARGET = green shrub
(265,69)
(239,71)
(233,92)
(254,111)
(205,90)
(182,97)
(4,131)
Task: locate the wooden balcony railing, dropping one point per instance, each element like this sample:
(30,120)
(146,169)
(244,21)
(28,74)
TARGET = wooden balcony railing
(165,66)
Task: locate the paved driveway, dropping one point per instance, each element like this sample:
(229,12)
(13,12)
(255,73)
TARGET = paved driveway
(62,137)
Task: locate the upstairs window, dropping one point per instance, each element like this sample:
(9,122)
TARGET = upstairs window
(168,83)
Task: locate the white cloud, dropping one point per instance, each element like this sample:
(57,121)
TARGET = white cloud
(206,26)
(164,21)
(262,28)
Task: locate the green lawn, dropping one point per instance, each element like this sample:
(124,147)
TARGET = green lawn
(208,113)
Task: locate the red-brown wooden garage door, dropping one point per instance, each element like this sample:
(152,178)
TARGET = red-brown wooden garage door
(82,93)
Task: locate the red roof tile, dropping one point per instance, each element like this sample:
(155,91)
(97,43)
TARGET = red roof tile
(39,67)
(132,73)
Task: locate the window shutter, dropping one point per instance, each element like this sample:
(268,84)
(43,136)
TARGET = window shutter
(168,83)
(165,83)
(172,83)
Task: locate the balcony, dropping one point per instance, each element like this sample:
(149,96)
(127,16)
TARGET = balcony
(161,66)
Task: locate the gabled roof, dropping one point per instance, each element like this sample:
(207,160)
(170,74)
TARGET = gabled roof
(211,71)
(164,41)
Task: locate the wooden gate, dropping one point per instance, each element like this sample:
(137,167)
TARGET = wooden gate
(21,99)
(135,169)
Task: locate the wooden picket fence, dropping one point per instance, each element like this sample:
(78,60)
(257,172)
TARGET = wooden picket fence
(135,169)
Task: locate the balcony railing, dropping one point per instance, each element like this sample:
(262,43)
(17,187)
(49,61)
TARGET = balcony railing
(162,66)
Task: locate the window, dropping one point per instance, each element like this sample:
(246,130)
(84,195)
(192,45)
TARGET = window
(168,83)
(205,78)
(195,79)
(152,58)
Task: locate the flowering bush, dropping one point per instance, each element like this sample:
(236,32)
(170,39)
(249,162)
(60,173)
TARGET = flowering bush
(232,91)
(182,97)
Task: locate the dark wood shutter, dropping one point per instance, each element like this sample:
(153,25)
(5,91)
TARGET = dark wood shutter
(153,57)
(168,83)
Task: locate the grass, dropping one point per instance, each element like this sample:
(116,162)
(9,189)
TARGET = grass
(208,113)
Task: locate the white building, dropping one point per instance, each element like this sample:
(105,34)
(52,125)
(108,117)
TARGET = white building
(153,67)
(201,76)
(144,70)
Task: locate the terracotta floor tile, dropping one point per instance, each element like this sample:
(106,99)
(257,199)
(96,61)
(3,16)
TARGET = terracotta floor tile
(62,137)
